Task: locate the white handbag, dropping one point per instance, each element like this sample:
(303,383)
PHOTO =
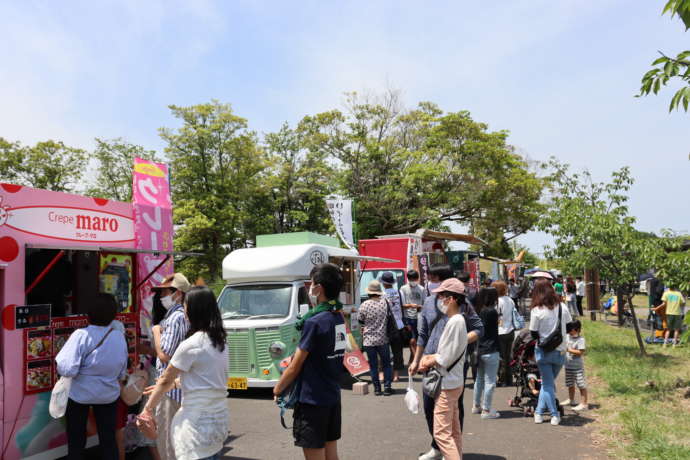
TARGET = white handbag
(59,397)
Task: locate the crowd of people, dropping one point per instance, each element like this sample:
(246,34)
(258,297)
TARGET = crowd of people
(185,410)
(450,327)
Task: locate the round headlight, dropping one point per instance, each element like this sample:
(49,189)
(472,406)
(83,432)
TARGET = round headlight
(277,350)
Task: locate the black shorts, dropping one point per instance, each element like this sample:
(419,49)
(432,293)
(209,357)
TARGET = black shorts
(314,426)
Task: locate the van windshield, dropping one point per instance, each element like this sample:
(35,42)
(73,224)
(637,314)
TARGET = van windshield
(256,301)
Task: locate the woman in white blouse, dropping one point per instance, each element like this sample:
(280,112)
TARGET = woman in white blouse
(200,427)
(544,317)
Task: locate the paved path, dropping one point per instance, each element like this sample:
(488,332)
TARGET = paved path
(382,428)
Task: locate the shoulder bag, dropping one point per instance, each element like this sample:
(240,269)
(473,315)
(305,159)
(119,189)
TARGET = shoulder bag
(391,326)
(553,340)
(431,382)
(60,393)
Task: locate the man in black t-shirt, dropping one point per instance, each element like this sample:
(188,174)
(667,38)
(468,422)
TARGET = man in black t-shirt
(317,367)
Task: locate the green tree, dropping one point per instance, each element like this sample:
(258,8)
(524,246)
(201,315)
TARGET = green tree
(672,260)
(592,229)
(49,165)
(667,67)
(298,182)
(408,169)
(217,178)
(115,160)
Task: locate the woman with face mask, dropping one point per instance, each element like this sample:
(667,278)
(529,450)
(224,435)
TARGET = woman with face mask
(449,360)
(168,335)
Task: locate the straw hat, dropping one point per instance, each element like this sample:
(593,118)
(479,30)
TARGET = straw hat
(374,288)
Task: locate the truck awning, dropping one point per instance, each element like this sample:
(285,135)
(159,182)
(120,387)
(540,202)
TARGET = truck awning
(434,235)
(112,249)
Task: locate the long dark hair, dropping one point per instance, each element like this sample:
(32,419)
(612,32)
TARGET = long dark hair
(544,295)
(487,297)
(204,315)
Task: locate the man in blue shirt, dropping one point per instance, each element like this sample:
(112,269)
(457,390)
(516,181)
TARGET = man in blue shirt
(431,326)
(167,336)
(392,296)
(317,367)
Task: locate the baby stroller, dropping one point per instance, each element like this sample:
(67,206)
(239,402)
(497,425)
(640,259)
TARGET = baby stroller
(526,376)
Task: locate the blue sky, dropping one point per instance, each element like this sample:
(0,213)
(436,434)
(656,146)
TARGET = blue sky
(560,75)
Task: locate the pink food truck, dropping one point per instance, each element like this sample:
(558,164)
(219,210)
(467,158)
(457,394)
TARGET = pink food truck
(57,251)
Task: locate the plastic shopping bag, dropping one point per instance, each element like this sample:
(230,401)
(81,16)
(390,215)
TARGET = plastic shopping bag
(411,397)
(59,397)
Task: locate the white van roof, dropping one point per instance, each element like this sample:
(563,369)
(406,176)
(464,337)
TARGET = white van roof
(282,263)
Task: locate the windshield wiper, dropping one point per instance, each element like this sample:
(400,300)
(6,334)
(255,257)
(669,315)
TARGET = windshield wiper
(234,315)
(270,315)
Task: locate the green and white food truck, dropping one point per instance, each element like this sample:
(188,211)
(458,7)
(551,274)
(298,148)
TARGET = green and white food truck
(267,288)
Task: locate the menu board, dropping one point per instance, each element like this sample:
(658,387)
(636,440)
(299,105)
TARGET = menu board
(32,316)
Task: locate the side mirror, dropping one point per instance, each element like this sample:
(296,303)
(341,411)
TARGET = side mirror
(303,309)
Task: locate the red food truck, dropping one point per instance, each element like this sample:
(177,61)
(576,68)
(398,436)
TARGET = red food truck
(57,251)
(416,251)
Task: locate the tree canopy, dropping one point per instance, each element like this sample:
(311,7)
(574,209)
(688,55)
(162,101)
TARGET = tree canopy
(114,159)
(667,67)
(49,165)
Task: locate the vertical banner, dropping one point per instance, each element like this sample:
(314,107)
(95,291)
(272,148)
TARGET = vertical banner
(153,230)
(414,248)
(341,213)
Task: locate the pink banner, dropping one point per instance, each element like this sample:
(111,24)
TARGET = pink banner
(153,230)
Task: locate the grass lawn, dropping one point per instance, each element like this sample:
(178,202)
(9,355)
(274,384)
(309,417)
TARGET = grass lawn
(645,402)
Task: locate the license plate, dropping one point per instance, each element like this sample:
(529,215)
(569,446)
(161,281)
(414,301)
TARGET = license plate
(237,383)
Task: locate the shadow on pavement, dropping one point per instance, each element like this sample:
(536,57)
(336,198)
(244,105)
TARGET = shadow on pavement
(225,452)
(512,414)
(576,420)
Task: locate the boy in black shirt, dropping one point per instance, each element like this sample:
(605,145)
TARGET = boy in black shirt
(318,364)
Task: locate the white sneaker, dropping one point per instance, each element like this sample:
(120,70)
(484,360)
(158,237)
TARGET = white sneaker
(476,410)
(433,454)
(555,421)
(538,418)
(567,402)
(492,414)
(580,407)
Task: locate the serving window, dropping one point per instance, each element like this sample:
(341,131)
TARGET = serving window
(69,280)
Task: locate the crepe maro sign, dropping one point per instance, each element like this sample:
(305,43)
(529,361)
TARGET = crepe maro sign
(71,224)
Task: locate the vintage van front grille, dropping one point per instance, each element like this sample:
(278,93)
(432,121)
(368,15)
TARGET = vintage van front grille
(264,338)
(238,352)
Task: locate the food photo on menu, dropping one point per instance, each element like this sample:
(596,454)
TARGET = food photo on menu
(38,344)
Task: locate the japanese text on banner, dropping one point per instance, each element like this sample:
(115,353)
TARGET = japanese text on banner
(341,213)
(153,229)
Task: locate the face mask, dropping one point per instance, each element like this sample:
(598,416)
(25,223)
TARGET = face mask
(443,306)
(313,298)
(413,284)
(167,301)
